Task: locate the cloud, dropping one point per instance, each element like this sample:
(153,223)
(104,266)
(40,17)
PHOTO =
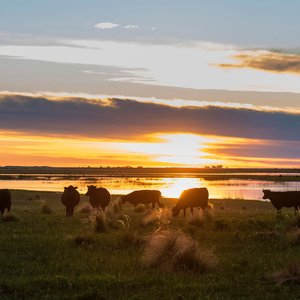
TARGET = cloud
(106,25)
(267,61)
(124,119)
(131,26)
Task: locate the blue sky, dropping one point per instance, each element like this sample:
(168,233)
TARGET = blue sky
(253,23)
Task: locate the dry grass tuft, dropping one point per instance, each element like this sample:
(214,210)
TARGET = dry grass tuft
(132,238)
(196,219)
(174,250)
(98,220)
(294,236)
(113,209)
(83,239)
(140,208)
(8,218)
(162,216)
(288,275)
(85,209)
(45,208)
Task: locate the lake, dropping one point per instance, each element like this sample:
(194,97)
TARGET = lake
(170,186)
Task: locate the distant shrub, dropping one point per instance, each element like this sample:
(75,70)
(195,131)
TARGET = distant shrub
(172,249)
(290,274)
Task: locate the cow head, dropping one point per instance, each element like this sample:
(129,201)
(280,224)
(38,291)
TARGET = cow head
(71,187)
(266,194)
(91,190)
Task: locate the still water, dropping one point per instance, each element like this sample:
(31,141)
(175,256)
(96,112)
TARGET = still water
(169,186)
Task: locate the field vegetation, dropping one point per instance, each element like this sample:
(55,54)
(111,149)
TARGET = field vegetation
(238,250)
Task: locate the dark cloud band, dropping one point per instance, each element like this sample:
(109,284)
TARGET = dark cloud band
(124,119)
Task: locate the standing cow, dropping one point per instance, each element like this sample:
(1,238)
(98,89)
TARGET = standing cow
(143,197)
(196,197)
(70,198)
(283,199)
(5,201)
(99,197)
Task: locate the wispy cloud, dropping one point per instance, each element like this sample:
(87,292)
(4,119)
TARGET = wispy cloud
(266,61)
(106,25)
(131,26)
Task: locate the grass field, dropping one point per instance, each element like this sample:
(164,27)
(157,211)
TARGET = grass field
(44,255)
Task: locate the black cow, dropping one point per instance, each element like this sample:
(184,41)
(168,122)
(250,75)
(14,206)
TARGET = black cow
(70,198)
(143,197)
(195,197)
(283,199)
(5,200)
(99,197)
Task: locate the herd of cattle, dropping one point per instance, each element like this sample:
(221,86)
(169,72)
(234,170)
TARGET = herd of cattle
(190,198)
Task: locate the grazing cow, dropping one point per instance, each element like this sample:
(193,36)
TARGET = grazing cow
(196,197)
(143,197)
(70,198)
(99,197)
(283,199)
(5,201)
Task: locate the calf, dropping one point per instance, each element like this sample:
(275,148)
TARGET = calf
(283,199)
(70,198)
(5,201)
(99,197)
(143,197)
(196,197)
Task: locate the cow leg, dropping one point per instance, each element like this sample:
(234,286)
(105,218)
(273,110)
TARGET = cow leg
(296,209)
(153,205)
(184,211)
(192,210)
(2,214)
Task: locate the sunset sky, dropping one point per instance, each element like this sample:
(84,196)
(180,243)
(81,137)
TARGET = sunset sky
(152,83)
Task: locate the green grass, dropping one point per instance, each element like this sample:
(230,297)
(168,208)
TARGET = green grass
(47,256)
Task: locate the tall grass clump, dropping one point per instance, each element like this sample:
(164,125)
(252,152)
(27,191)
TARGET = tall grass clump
(82,239)
(98,220)
(161,217)
(85,209)
(140,208)
(196,219)
(8,218)
(174,250)
(290,274)
(45,208)
(294,236)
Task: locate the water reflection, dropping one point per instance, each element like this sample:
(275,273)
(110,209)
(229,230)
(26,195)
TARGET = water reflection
(169,186)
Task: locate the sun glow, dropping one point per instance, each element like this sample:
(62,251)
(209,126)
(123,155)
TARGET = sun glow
(179,149)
